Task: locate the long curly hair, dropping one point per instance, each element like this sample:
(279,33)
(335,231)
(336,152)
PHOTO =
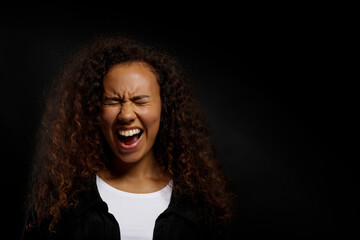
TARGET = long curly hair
(71,148)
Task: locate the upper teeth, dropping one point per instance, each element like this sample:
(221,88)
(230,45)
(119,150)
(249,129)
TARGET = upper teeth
(129,132)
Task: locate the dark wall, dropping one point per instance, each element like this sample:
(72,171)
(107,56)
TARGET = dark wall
(274,87)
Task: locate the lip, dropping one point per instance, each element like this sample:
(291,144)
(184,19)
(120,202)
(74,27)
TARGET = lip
(128,128)
(127,148)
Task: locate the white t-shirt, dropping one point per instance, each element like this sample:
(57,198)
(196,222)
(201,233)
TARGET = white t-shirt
(135,212)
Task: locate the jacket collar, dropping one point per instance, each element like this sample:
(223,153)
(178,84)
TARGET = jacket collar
(90,199)
(184,208)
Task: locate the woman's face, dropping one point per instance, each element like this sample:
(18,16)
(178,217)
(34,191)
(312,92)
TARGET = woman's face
(131,110)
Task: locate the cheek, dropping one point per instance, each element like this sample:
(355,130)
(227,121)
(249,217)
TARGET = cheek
(151,120)
(108,117)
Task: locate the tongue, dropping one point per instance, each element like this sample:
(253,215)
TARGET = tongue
(130,140)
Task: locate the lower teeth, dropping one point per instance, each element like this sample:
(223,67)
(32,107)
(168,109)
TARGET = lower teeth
(130,139)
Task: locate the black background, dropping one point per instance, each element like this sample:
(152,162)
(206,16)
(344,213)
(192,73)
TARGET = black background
(274,83)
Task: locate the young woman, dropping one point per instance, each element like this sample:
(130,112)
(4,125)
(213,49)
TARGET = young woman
(124,152)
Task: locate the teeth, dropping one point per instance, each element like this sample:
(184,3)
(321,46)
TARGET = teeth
(129,132)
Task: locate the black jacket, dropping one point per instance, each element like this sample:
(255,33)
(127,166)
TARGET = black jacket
(91,220)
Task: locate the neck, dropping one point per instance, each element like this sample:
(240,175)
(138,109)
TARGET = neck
(142,176)
(146,167)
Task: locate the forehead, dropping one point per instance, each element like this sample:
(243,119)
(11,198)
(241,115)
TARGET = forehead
(130,78)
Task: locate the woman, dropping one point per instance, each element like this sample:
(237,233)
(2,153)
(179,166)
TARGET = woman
(124,152)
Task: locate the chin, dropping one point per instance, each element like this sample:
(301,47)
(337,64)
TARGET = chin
(128,158)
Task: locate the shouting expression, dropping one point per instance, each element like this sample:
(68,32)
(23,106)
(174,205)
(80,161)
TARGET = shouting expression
(131,110)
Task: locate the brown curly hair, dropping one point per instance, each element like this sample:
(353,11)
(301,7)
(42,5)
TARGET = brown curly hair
(71,148)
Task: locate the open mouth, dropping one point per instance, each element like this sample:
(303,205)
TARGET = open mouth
(129,138)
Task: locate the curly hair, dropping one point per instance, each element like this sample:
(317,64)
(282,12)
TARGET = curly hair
(71,148)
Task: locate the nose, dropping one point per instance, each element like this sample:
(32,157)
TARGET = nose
(126,114)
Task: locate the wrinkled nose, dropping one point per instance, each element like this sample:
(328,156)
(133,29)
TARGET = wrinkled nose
(126,114)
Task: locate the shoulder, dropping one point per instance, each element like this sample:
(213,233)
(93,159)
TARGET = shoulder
(86,220)
(181,221)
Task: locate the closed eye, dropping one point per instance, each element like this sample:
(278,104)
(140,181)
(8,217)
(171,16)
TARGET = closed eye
(111,101)
(140,100)
(141,103)
(140,97)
